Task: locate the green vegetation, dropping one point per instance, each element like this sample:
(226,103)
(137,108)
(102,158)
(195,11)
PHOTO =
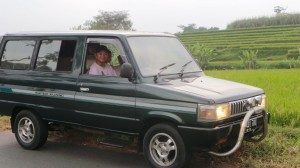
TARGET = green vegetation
(107,20)
(282,89)
(272,43)
(249,58)
(280,19)
(203,54)
(277,64)
(280,149)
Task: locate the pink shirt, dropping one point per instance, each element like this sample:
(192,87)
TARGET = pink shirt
(95,69)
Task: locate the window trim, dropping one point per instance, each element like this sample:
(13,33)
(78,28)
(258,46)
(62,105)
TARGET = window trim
(4,42)
(38,46)
(99,39)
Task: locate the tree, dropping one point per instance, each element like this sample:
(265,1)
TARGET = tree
(188,28)
(249,58)
(105,20)
(193,28)
(279,9)
(204,54)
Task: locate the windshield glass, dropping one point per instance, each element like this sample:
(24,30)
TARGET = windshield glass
(154,53)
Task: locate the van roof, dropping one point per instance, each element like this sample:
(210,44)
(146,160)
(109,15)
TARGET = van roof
(87,33)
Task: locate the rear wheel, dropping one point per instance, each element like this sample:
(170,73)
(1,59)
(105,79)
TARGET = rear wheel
(164,148)
(30,131)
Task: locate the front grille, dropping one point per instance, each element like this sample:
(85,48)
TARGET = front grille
(237,107)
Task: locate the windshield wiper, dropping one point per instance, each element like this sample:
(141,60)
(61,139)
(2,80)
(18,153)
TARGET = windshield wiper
(183,68)
(161,70)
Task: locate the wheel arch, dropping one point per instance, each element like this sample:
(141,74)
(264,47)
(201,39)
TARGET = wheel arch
(16,111)
(157,117)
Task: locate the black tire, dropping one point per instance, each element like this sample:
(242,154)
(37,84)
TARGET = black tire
(164,147)
(30,131)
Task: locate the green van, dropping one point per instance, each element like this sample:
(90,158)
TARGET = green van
(158,94)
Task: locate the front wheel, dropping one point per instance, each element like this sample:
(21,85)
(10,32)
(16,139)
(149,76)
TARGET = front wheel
(164,148)
(30,131)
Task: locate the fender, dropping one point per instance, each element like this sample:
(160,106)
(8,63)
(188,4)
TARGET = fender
(163,115)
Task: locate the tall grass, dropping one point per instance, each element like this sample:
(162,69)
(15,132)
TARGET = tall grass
(281,86)
(282,19)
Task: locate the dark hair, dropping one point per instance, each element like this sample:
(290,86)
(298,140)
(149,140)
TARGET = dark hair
(93,44)
(101,48)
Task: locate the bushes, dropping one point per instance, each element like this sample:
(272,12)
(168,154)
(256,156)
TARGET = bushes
(293,54)
(282,19)
(225,65)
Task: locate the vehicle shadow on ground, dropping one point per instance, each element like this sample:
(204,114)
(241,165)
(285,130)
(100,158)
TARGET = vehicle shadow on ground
(108,157)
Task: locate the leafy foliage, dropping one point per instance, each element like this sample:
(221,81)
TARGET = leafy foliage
(249,58)
(282,19)
(279,9)
(105,20)
(204,54)
(193,28)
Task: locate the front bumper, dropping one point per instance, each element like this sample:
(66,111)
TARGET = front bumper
(225,136)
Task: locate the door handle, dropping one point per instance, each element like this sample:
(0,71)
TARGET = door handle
(82,89)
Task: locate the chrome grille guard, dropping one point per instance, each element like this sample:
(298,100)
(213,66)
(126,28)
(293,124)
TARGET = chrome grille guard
(242,131)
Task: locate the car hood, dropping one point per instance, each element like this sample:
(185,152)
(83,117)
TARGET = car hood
(216,90)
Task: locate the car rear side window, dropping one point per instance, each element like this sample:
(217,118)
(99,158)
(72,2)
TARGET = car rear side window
(56,55)
(17,54)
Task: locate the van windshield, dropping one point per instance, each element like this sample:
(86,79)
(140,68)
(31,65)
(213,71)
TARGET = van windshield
(154,53)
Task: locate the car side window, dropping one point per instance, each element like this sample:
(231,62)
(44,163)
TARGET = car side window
(56,55)
(17,54)
(110,64)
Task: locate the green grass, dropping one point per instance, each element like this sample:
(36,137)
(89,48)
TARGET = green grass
(262,64)
(280,149)
(281,86)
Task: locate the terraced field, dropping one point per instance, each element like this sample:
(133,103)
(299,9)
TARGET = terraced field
(273,43)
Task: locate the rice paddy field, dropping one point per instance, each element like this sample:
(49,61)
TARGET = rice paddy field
(271,42)
(282,88)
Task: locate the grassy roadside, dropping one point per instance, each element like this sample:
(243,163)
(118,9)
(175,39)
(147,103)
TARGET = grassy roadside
(4,123)
(281,148)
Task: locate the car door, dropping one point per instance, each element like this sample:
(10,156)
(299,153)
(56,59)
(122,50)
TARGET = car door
(48,85)
(106,102)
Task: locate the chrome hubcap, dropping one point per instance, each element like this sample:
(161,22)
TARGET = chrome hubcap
(26,130)
(163,149)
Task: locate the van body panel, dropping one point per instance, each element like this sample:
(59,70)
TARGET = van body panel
(49,94)
(109,103)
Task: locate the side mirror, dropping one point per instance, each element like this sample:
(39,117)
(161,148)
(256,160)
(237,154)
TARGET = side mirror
(126,71)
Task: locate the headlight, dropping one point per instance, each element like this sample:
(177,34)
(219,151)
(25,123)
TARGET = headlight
(263,102)
(213,112)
